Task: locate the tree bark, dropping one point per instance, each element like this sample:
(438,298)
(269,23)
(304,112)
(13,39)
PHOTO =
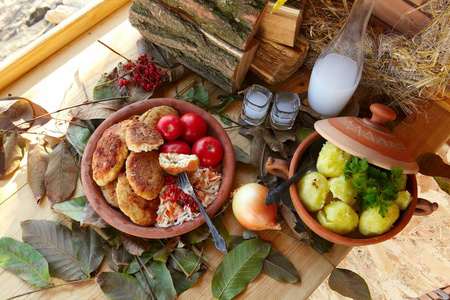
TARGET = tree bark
(235,22)
(196,48)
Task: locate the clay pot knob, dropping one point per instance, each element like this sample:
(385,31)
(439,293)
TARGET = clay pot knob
(381,114)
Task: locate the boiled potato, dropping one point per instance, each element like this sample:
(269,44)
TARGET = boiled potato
(338,217)
(343,189)
(331,160)
(403,200)
(371,223)
(313,191)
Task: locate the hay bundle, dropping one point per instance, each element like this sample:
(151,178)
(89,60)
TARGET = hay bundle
(410,71)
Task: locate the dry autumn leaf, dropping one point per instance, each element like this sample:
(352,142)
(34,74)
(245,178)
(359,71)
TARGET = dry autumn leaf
(20,113)
(37,162)
(13,151)
(62,173)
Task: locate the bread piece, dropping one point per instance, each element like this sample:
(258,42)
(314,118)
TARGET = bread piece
(141,211)
(152,116)
(174,163)
(144,174)
(110,154)
(142,137)
(109,193)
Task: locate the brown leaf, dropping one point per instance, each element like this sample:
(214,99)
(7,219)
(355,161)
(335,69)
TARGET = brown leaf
(259,151)
(274,144)
(100,110)
(19,112)
(13,148)
(160,55)
(2,157)
(61,175)
(291,220)
(37,162)
(89,217)
(135,245)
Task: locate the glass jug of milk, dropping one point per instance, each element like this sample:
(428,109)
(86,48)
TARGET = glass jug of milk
(337,71)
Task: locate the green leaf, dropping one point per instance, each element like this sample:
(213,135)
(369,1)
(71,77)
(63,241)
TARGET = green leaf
(349,284)
(159,279)
(239,267)
(72,208)
(78,135)
(225,119)
(443,183)
(197,235)
(186,259)
(320,244)
(180,281)
(24,261)
(249,234)
(280,268)
(54,242)
(118,286)
(105,91)
(199,93)
(216,109)
(145,257)
(241,156)
(222,230)
(163,254)
(88,247)
(236,240)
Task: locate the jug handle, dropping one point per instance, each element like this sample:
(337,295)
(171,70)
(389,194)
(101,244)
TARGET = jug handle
(278,167)
(425,207)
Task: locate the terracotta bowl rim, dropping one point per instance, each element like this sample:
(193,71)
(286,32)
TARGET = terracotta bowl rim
(115,217)
(314,225)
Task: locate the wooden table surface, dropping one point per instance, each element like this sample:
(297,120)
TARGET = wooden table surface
(53,84)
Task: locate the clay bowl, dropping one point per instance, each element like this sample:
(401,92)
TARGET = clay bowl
(114,216)
(352,239)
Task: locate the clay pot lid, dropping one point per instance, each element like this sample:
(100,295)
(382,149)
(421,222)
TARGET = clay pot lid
(369,138)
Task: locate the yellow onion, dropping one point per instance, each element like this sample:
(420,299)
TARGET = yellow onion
(250,210)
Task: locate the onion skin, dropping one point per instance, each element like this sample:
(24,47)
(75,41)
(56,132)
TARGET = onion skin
(250,210)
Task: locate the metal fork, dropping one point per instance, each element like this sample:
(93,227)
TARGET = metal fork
(188,189)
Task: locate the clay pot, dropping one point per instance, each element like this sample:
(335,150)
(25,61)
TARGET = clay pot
(361,138)
(114,216)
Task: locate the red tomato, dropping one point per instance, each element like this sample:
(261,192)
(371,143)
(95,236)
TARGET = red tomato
(209,151)
(194,127)
(176,146)
(170,127)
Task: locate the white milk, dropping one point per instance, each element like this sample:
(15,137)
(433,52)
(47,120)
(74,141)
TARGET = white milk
(333,81)
(253,111)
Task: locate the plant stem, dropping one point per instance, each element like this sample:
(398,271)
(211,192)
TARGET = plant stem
(47,288)
(113,50)
(188,86)
(142,267)
(198,262)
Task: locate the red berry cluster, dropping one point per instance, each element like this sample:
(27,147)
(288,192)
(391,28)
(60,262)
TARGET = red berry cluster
(175,194)
(143,73)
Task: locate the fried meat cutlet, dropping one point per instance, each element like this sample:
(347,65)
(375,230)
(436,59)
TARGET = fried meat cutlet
(174,163)
(145,174)
(142,137)
(110,154)
(141,211)
(109,193)
(152,116)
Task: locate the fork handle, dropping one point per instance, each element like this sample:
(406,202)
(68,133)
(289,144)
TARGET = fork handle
(218,239)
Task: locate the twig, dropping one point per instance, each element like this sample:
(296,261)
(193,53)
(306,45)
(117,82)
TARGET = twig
(188,86)
(142,267)
(113,50)
(47,288)
(198,262)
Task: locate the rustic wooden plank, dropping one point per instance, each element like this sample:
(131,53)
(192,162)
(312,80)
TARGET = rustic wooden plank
(196,48)
(274,62)
(22,61)
(283,25)
(235,22)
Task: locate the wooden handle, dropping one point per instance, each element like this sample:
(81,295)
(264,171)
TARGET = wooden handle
(278,167)
(381,114)
(425,207)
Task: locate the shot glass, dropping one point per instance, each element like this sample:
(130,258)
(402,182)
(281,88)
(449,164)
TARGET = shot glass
(284,110)
(256,104)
